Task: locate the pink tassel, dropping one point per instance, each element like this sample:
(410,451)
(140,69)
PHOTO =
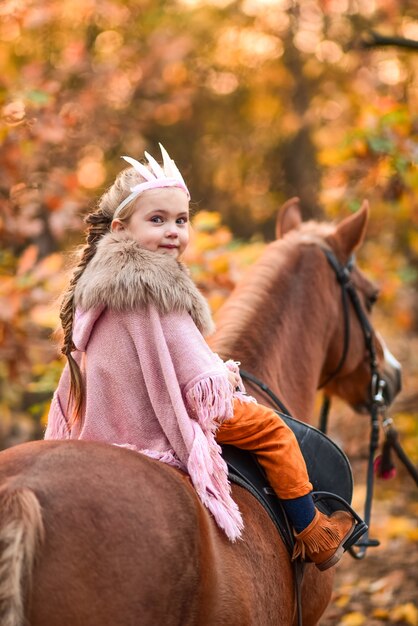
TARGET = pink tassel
(211,398)
(208,472)
(200,464)
(244,397)
(167,456)
(57,427)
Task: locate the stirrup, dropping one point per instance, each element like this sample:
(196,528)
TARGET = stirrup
(360,525)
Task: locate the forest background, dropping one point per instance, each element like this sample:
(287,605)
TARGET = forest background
(257,101)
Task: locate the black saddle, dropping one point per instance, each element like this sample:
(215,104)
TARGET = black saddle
(328,468)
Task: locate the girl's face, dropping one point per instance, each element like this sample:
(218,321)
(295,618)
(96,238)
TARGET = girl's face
(160,221)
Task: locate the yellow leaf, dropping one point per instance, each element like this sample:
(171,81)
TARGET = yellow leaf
(353,619)
(407,613)
(204,241)
(215,301)
(398,526)
(219,265)
(342,601)
(206,221)
(412,534)
(44,417)
(413,240)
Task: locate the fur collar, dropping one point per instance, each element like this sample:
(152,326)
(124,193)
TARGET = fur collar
(123,276)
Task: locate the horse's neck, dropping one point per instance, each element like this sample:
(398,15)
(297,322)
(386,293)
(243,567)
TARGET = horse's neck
(274,323)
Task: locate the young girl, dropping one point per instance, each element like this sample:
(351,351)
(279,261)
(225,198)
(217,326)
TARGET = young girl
(140,374)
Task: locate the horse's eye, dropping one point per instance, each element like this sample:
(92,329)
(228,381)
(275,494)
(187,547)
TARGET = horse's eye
(371,299)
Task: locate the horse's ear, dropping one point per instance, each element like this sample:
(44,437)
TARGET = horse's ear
(350,232)
(289,217)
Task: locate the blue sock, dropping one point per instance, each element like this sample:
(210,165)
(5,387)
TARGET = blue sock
(300,511)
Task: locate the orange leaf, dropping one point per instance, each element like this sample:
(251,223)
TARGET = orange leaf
(49,266)
(27,260)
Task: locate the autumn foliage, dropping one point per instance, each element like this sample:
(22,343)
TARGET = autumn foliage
(257,100)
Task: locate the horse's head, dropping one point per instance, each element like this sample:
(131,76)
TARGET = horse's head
(356,355)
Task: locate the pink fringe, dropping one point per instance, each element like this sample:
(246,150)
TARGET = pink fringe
(57,426)
(165,457)
(209,475)
(244,397)
(211,398)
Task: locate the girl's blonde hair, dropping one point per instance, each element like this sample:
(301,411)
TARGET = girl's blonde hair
(99,224)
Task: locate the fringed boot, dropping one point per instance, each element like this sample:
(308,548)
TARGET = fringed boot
(322,541)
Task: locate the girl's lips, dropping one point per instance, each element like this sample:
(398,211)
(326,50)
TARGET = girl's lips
(170,247)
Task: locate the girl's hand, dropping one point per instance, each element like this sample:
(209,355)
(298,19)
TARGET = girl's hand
(234,379)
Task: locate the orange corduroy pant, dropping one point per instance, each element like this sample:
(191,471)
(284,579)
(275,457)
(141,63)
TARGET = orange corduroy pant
(259,429)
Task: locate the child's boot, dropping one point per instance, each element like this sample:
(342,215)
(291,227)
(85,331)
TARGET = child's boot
(322,541)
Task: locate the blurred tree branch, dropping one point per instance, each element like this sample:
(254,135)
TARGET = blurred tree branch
(375,40)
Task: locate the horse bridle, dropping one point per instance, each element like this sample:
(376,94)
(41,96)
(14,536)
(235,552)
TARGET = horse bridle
(378,404)
(377,384)
(349,293)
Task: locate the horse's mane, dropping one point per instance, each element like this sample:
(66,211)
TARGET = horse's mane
(257,298)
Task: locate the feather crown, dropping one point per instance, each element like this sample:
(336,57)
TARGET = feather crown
(155,177)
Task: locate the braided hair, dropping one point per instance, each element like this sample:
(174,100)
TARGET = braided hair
(99,224)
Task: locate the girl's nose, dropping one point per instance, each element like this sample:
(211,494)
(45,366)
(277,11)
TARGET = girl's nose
(172,231)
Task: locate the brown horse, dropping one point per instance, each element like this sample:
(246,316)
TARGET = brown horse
(95,535)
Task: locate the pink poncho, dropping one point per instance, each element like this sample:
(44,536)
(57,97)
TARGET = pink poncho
(151,382)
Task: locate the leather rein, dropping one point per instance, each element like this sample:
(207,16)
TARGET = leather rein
(377,385)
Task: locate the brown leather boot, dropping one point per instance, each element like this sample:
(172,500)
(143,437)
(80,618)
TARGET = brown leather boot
(322,541)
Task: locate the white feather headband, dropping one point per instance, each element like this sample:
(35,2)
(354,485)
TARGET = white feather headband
(166,176)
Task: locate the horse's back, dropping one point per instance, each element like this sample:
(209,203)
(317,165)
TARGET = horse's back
(122,539)
(118,525)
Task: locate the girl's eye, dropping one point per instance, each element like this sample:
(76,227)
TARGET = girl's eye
(156,219)
(182,220)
